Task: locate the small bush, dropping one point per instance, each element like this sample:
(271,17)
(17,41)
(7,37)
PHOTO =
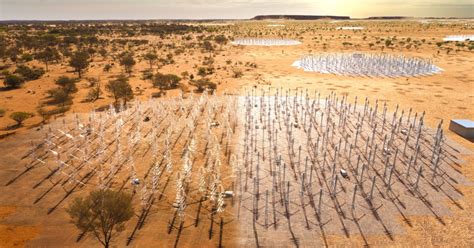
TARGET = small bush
(59,96)
(204,84)
(29,73)
(94,94)
(67,84)
(237,73)
(13,81)
(107,67)
(147,75)
(166,81)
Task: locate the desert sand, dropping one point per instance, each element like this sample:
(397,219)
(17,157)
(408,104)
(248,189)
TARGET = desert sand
(24,221)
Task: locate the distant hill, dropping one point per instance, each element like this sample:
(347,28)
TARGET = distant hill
(387,17)
(299,17)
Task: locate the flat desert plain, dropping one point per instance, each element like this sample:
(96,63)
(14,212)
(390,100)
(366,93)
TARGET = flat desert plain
(33,206)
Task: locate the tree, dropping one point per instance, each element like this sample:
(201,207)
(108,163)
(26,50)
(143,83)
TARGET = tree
(19,117)
(94,92)
(185,74)
(202,71)
(47,55)
(3,49)
(166,81)
(103,213)
(43,113)
(151,57)
(221,40)
(13,53)
(67,84)
(13,81)
(103,53)
(204,84)
(79,61)
(120,89)
(91,51)
(207,46)
(127,61)
(59,96)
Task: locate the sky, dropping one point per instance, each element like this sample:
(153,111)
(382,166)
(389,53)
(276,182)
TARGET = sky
(225,9)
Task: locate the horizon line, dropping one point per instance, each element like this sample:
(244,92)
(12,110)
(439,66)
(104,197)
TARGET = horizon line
(237,19)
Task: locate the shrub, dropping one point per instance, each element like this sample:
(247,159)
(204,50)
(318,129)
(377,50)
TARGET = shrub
(107,67)
(46,114)
(13,81)
(59,96)
(147,75)
(67,84)
(29,73)
(201,71)
(237,73)
(166,81)
(2,112)
(204,84)
(26,57)
(94,93)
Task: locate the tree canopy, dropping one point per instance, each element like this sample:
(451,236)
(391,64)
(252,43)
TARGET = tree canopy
(48,55)
(151,57)
(120,88)
(79,61)
(19,117)
(204,84)
(103,213)
(166,81)
(67,84)
(29,73)
(127,61)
